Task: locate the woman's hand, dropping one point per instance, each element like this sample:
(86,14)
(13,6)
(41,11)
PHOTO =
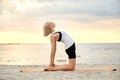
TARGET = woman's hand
(51,65)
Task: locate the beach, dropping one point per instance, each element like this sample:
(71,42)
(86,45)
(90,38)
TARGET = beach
(15,57)
(12,72)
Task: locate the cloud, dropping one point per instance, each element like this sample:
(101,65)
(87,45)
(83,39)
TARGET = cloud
(24,18)
(94,7)
(7,7)
(29,15)
(1,7)
(35,8)
(85,11)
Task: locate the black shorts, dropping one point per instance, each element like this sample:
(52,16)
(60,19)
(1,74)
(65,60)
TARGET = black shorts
(71,51)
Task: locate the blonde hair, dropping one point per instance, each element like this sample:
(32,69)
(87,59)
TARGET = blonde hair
(46,29)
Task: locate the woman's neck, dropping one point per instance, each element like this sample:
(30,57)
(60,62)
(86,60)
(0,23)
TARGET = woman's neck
(53,30)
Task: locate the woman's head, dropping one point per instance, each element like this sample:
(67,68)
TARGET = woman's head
(48,28)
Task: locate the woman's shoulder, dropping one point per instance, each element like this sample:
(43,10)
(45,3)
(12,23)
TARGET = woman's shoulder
(54,35)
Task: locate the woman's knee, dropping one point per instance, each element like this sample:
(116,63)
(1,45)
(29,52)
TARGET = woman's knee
(71,68)
(72,64)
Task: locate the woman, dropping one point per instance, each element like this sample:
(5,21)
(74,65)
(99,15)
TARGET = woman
(49,28)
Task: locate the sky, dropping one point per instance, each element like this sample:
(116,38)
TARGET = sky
(86,21)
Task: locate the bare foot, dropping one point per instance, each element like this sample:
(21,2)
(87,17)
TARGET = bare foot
(49,69)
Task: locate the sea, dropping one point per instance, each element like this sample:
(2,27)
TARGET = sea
(39,54)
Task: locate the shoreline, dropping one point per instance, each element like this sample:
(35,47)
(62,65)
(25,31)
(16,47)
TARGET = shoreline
(12,72)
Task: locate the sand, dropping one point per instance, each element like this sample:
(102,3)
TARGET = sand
(12,72)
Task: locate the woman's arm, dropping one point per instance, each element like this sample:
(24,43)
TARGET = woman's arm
(53,49)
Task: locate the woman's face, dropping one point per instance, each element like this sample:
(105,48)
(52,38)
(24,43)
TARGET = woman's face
(52,25)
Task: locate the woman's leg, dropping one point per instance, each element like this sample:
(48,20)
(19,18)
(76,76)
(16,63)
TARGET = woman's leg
(69,67)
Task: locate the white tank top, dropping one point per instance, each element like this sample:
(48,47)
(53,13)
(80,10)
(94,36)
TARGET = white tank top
(65,38)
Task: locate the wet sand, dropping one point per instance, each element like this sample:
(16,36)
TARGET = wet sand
(12,72)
